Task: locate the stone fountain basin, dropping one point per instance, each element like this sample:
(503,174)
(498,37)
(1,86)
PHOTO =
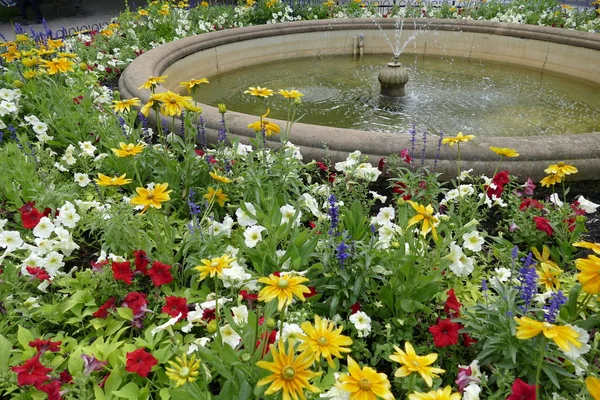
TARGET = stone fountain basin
(575,54)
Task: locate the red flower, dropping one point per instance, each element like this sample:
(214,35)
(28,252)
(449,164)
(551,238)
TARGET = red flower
(530,203)
(249,297)
(30,216)
(66,377)
(199,152)
(322,166)
(160,273)
(208,314)
(468,341)
(542,224)
(355,308)
(501,178)
(405,156)
(136,301)
(576,209)
(99,265)
(122,271)
(44,345)
(32,372)
(141,261)
(39,273)
(140,362)
(175,306)
(445,333)
(522,391)
(381,165)
(571,223)
(277,273)
(452,305)
(271,337)
(103,310)
(313,292)
(52,389)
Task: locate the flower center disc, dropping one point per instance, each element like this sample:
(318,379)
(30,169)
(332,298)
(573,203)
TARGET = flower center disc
(150,196)
(289,372)
(214,264)
(322,340)
(364,384)
(283,283)
(184,372)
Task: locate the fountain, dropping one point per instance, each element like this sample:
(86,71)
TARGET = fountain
(393,77)
(550,50)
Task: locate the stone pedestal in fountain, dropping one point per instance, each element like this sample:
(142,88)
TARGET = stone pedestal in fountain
(393,77)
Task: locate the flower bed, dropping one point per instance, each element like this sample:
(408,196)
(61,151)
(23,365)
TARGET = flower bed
(139,262)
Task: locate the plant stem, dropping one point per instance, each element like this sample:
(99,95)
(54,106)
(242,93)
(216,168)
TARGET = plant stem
(539,368)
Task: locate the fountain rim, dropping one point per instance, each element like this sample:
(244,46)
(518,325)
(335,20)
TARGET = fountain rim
(536,152)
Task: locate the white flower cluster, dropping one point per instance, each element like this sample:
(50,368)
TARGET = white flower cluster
(9,102)
(354,167)
(40,128)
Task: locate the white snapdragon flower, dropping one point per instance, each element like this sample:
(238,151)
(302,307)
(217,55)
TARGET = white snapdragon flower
(44,228)
(82,179)
(244,219)
(473,241)
(362,323)
(10,240)
(253,235)
(229,336)
(461,265)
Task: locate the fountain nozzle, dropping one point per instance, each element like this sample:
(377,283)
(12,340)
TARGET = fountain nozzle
(393,77)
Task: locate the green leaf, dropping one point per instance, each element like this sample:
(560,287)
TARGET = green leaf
(125,313)
(130,391)
(407,305)
(5,349)
(99,393)
(164,394)
(24,336)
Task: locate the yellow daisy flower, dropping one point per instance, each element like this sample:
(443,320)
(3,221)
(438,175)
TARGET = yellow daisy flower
(216,195)
(151,197)
(58,65)
(259,92)
(323,340)
(561,169)
(190,85)
(289,373)
(459,138)
(411,362)
(153,81)
(565,337)
(589,276)
(290,94)
(219,178)
(365,383)
(283,288)
(551,180)
(504,151)
(425,214)
(440,394)
(214,267)
(593,386)
(595,247)
(104,180)
(125,105)
(183,370)
(129,149)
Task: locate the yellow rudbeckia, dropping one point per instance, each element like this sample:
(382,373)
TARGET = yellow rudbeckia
(425,214)
(451,141)
(283,288)
(151,197)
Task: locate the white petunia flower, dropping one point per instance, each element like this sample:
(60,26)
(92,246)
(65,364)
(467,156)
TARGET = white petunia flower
(385,215)
(253,235)
(377,196)
(10,240)
(555,199)
(461,265)
(167,324)
(82,179)
(229,336)
(53,262)
(39,127)
(44,228)
(287,213)
(587,205)
(362,323)
(244,219)
(68,218)
(240,315)
(290,331)
(367,171)
(471,392)
(87,148)
(472,241)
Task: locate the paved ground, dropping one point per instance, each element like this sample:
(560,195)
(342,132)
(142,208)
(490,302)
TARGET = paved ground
(91,14)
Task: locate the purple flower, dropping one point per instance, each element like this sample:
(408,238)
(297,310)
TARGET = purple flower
(528,282)
(91,364)
(333,213)
(528,187)
(341,252)
(557,300)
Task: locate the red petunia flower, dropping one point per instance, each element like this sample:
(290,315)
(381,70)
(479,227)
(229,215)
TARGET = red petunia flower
(322,166)
(208,314)
(445,333)
(405,156)
(382,163)
(30,216)
(528,187)
(141,261)
(122,271)
(66,377)
(355,308)
(175,306)
(468,341)
(452,305)
(522,391)
(542,224)
(98,265)
(313,292)
(271,337)
(32,372)
(571,223)
(160,273)
(52,389)
(136,301)
(45,345)
(501,178)
(277,274)
(140,362)
(103,310)
(249,297)
(530,203)
(38,273)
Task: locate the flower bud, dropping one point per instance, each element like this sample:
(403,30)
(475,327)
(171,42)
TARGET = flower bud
(246,357)
(271,323)
(212,326)
(222,108)
(18,83)
(83,66)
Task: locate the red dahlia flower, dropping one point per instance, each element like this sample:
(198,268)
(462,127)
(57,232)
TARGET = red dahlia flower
(445,333)
(542,224)
(32,372)
(140,362)
(160,273)
(122,271)
(522,391)
(175,306)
